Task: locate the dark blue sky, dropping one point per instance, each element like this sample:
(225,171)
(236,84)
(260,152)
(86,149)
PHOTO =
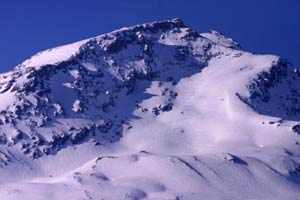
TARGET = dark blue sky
(261,26)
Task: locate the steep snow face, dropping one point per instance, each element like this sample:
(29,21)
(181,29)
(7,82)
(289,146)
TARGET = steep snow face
(154,111)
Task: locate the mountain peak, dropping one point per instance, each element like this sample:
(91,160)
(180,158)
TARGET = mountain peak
(139,110)
(63,53)
(160,25)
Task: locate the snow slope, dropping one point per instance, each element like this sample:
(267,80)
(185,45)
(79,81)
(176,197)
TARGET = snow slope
(154,111)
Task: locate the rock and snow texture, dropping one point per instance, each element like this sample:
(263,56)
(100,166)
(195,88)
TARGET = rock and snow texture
(154,111)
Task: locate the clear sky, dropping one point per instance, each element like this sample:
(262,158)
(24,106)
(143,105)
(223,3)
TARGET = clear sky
(260,26)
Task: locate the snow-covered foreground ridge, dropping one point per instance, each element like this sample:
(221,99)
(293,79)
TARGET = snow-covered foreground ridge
(154,111)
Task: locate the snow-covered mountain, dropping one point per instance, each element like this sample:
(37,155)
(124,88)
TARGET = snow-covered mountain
(154,111)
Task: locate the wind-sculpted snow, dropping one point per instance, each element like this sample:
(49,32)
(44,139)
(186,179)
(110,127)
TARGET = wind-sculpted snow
(154,111)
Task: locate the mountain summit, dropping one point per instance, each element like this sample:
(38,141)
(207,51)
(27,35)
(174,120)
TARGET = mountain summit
(153,111)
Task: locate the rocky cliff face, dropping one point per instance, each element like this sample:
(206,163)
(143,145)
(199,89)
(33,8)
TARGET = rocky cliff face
(276,92)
